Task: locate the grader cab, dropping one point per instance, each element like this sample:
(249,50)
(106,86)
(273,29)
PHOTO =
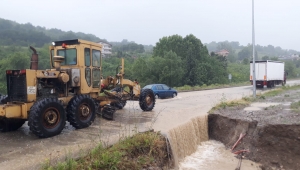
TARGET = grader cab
(72,90)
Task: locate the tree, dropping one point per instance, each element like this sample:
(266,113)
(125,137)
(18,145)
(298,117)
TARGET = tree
(198,66)
(172,43)
(290,68)
(244,53)
(246,61)
(265,57)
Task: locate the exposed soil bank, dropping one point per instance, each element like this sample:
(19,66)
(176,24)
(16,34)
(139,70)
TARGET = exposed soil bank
(272,145)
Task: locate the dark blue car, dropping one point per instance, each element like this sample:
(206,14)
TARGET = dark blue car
(162,90)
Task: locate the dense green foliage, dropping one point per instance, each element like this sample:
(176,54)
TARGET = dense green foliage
(126,46)
(238,52)
(12,33)
(175,60)
(198,67)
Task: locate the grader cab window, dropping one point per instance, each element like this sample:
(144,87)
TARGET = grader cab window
(87,57)
(96,58)
(70,56)
(52,55)
(96,77)
(88,76)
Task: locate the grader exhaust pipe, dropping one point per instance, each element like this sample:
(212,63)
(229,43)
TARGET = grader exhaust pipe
(34,59)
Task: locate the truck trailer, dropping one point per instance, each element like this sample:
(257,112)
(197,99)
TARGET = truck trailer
(269,73)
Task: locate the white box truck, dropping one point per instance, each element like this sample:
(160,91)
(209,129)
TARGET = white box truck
(268,73)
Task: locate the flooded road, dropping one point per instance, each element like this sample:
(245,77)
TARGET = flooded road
(23,150)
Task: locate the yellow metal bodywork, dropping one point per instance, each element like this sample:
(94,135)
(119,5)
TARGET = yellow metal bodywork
(15,110)
(111,82)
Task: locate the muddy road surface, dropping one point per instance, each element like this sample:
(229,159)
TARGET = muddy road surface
(23,150)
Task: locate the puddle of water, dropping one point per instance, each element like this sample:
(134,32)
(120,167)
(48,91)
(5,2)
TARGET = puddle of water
(213,155)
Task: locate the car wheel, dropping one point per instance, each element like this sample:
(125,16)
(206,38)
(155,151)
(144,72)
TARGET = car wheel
(156,96)
(174,95)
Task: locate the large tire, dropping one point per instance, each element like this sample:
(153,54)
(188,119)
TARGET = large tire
(81,111)
(269,85)
(120,104)
(47,117)
(7,125)
(147,100)
(108,112)
(260,86)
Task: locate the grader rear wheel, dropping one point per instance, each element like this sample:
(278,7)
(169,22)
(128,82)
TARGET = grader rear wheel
(81,111)
(147,100)
(47,117)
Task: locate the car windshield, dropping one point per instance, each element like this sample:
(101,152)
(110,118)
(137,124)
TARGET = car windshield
(148,87)
(165,87)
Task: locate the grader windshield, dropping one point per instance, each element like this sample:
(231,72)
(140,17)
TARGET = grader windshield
(70,56)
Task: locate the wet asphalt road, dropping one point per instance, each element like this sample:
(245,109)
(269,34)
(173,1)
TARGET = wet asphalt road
(23,150)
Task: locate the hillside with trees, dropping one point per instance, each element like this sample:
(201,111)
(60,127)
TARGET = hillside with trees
(13,33)
(239,52)
(174,60)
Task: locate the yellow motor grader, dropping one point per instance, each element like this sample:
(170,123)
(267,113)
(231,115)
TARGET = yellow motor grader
(72,90)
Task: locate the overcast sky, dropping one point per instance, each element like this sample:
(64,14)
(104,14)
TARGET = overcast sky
(277,22)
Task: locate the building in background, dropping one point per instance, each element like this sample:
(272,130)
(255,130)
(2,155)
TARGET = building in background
(106,50)
(223,53)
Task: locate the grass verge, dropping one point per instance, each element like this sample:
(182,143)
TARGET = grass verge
(245,101)
(142,150)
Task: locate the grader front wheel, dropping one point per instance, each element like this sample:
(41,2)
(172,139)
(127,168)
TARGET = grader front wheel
(147,100)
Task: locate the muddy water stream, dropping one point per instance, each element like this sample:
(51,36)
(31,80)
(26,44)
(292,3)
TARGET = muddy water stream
(193,150)
(213,155)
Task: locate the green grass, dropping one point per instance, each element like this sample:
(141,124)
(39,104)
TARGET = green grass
(278,91)
(295,105)
(245,101)
(137,152)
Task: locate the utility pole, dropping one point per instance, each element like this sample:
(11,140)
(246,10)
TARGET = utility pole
(253,46)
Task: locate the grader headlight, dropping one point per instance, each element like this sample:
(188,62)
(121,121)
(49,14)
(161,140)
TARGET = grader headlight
(63,77)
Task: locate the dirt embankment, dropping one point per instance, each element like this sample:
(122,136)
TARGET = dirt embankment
(272,130)
(276,146)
